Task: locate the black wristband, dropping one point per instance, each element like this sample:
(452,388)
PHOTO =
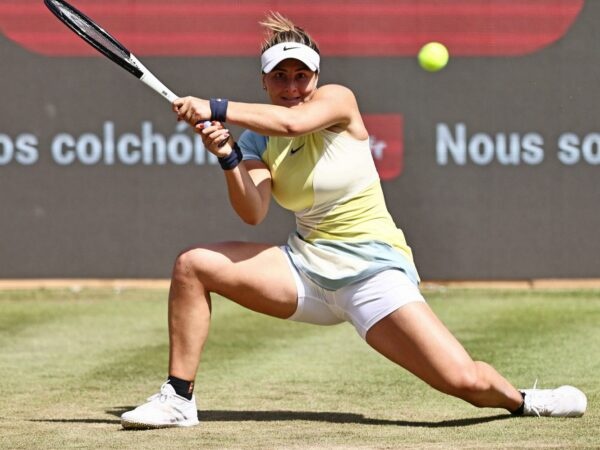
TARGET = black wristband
(233,159)
(218,109)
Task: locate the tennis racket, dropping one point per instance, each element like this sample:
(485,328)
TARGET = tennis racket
(106,44)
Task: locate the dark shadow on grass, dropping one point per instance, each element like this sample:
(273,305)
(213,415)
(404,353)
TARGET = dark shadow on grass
(330,417)
(109,421)
(334,417)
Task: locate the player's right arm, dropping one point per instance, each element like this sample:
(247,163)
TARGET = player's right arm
(249,187)
(248,184)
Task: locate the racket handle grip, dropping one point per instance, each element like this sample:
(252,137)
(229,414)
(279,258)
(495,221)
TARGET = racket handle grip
(170,96)
(152,82)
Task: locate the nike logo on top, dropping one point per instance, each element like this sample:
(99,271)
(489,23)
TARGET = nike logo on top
(294,150)
(286,48)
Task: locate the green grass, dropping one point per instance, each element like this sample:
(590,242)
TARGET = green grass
(72,362)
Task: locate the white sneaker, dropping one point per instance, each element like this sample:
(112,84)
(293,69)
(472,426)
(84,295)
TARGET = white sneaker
(162,410)
(565,401)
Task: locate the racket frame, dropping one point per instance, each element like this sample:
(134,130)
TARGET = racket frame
(131,64)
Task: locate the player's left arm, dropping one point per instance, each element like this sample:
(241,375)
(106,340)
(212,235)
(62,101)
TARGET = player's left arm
(330,106)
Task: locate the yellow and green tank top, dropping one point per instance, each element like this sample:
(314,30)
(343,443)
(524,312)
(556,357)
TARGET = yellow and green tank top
(344,232)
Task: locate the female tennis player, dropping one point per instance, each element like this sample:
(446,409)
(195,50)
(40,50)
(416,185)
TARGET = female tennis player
(345,261)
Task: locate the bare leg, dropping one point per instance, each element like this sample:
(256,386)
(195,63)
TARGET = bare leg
(256,276)
(417,340)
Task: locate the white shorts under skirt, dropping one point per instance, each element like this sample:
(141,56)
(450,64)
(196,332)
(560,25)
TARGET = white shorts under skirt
(363,303)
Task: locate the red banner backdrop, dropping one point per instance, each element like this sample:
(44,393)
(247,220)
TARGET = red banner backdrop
(342,27)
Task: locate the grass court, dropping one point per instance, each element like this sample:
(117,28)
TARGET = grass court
(71,361)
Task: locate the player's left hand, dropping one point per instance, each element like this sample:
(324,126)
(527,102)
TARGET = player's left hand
(192,109)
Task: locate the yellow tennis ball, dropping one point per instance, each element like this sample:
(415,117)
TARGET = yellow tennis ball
(433,56)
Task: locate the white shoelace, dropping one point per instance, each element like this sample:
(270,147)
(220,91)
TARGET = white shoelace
(534,402)
(161,396)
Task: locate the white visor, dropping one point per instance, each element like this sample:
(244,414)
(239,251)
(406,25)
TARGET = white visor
(274,55)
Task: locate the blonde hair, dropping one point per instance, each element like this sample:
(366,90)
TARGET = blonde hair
(280,29)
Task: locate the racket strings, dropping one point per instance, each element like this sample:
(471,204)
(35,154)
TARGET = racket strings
(92,33)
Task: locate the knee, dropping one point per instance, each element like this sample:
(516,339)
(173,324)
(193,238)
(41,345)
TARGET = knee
(191,264)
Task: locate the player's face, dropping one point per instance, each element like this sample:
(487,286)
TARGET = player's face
(290,83)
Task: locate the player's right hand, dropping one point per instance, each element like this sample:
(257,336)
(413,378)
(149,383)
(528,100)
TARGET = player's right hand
(215,137)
